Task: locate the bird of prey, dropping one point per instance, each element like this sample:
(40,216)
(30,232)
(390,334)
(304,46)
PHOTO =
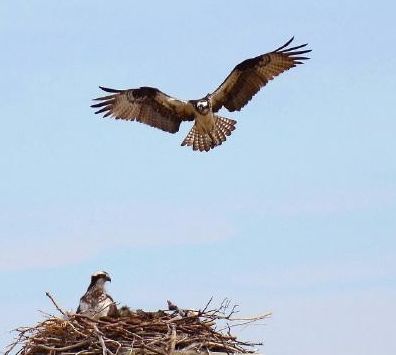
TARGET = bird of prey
(155,108)
(96,303)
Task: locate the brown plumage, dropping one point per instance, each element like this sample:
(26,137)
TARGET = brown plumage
(251,75)
(157,109)
(205,142)
(96,303)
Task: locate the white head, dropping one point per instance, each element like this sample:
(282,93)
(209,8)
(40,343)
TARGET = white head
(99,278)
(202,106)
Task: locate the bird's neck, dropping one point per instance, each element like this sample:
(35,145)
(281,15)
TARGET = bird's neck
(98,285)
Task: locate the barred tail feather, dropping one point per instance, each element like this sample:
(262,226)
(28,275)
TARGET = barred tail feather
(207,141)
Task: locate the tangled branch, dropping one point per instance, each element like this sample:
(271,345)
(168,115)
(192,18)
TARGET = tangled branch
(152,333)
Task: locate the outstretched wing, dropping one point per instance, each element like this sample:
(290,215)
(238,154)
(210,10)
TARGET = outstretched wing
(251,75)
(147,105)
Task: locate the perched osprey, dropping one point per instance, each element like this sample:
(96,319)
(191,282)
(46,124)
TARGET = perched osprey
(96,303)
(157,109)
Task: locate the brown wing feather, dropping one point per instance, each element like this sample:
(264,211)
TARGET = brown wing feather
(248,77)
(147,105)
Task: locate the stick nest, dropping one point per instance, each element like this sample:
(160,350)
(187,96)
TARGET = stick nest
(138,332)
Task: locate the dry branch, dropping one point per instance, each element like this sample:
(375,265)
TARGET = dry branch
(152,333)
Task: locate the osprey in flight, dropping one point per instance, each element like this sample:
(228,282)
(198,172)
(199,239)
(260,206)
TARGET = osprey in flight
(157,109)
(96,303)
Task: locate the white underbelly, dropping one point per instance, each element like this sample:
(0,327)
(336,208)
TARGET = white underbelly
(98,310)
(205,123)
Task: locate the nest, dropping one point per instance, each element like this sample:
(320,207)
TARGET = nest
(138,332)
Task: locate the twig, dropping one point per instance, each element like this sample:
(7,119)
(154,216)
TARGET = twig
(172,340)
(207,305)
(64,348)
(53,301)
(152,333)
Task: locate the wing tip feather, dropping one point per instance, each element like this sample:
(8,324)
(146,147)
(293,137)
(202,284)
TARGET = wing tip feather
(116,91)
(292,50)
(285,45)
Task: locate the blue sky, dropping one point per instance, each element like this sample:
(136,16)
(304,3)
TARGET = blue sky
(294,214)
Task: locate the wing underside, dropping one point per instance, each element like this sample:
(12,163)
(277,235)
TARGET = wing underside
(147,105)
(249,76)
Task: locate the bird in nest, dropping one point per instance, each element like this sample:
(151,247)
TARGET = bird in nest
(96,303)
